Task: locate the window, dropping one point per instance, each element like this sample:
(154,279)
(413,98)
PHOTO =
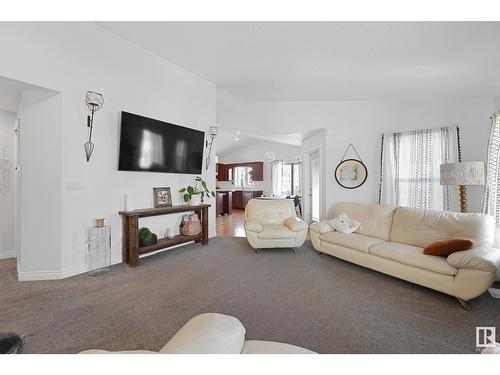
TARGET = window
(290,183)
(243,176)
(410,167)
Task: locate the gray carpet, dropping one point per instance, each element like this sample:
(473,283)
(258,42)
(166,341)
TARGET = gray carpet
(318,302)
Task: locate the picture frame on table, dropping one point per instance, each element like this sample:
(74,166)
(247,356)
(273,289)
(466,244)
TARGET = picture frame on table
(162,197)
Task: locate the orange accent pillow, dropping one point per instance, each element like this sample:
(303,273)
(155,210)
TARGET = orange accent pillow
(447,247)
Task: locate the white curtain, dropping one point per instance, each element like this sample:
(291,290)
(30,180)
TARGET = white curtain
(491,201)
(277,177)
(410,164)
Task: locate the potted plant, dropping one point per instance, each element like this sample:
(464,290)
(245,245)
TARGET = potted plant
(199,189)
(147,238)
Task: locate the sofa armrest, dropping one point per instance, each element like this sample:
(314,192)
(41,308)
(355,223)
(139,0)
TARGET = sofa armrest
(321,227)
(253,225)
(480,258)
(295,224)
(208,333)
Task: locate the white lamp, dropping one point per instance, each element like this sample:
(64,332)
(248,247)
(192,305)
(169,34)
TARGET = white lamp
(462,174)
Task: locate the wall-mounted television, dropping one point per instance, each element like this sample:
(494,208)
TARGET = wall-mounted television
(149,145)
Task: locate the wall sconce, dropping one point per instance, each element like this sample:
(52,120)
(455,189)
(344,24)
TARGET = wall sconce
(212,133)
(94,102)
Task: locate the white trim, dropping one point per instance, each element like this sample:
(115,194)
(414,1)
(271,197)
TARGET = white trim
(38,275)
(57,275)
(6,254)
(77,270)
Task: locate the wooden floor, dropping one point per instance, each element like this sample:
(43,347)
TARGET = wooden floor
(231,225)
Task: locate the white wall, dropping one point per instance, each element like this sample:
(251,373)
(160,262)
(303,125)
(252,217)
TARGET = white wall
(360,123)
(41,160)
(72,58)
(255,152)
(496,103)
(7,125)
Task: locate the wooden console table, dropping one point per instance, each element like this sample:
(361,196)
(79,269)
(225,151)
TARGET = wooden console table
(131,249)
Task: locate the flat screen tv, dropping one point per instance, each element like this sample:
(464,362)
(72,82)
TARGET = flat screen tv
(155,146)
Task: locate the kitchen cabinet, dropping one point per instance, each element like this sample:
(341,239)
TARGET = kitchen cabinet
(222,172)
(241,197)
(224,202)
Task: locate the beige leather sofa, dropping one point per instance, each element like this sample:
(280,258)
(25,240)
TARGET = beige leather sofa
(391,240)
(273,223)
(213,333)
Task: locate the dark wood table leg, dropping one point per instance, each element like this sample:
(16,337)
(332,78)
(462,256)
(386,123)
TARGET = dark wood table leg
(125,240)
(133,228)
(198,212)
(204,226)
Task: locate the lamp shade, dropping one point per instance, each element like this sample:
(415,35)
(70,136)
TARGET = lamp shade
(462,173)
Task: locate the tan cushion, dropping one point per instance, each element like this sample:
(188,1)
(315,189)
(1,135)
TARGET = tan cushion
(276,232)
(412,256)
(446,247)
(376,220)
(421,227)
(351,240)
(270,211)
(480,258)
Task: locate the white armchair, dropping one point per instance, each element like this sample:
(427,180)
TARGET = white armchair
(212,333)
(273,223)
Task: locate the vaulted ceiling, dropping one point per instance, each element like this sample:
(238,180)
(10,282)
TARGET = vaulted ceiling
(292,61)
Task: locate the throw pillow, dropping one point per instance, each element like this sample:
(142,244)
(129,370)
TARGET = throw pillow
(446,247)
(343,224)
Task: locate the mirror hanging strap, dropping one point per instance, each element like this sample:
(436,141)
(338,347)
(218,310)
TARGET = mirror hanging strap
(354,149)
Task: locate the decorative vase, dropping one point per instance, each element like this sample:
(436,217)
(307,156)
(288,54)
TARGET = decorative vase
(170,233)
(99,248)
(195,200)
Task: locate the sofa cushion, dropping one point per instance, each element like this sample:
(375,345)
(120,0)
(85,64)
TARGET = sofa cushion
(270,211)
(421,227)
(276,232)
(354,241)
(376,220)
(412,256)
(208,333)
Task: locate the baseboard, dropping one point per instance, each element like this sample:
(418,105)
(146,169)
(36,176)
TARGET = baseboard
(6,254)
(38,275)
(72,271)
(57,275)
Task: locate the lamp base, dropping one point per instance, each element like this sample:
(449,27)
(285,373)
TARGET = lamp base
(463,198)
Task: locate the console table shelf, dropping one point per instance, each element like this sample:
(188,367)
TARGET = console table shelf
(168,242)
(132,250)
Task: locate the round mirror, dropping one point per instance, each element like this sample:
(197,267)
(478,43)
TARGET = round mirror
(351,173)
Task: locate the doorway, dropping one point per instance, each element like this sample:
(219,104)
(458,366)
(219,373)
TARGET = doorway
(8,121)
(314,190)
